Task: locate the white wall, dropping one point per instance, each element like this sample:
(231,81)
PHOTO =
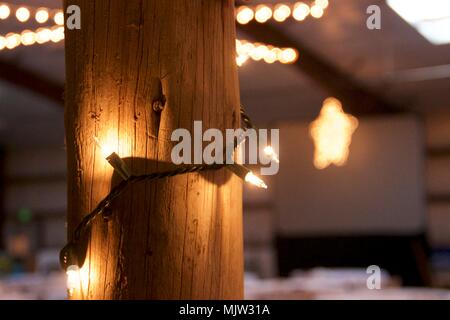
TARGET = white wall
(379,191)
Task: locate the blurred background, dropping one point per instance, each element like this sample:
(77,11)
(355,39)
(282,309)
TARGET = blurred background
(383,199)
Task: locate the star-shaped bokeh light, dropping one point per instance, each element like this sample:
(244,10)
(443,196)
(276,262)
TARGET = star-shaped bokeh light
(332,134)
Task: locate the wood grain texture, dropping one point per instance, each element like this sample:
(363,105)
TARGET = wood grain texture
(178,238)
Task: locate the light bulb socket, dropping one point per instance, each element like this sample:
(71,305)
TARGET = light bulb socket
(107,214)
(239,170)
(69,256)
(119,165)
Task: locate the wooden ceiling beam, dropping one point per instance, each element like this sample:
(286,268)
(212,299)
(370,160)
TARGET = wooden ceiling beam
(356,97)
(23,77)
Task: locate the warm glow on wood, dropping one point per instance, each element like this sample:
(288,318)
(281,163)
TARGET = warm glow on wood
(163,237)
(255,180)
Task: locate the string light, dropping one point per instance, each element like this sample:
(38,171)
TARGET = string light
(268,150)
(301,11)
(251,178)
(59,18)
(244,15)
(257,52)
(280,12)
(240,60)
(316,11)
(267,53)
(57,34)
(27,37)
(247,175)
(41,15)
(288,55)
(71,260)
(73,255)
(113,159)
(322,3)
(73,279)
(332,133)
(12,40)
(4,11)
(22,14)
(263,13)
(244,49)
(43,35)
(270,56)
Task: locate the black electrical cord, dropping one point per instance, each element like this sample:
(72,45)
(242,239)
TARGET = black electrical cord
(246,119)
(119,189)
(68,255)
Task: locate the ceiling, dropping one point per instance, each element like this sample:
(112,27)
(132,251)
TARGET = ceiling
(394,61)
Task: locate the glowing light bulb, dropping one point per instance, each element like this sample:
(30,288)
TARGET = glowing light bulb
(241,59)
(255,180)
(12,40)
(301,11)
(270,56)
(258,52)
(263,13)
(268,150)
(247,175)
(316,11)
(278,52)
(322,3)
(2,43)
(263,49)
(4,11)
(281,12)
(113,159)
(57,34)
(105,149)
(244,15)
(73,279)
(332,134)
(22,14)
(42,15)
(28,37)
(288,55)
(241,49)
(59,18)
(247,48)
(43,35)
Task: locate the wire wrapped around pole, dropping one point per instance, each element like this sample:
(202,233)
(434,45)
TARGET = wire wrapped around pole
(246,119)
(69,254)
(120,188)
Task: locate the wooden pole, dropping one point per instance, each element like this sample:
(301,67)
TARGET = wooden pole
(178,238)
